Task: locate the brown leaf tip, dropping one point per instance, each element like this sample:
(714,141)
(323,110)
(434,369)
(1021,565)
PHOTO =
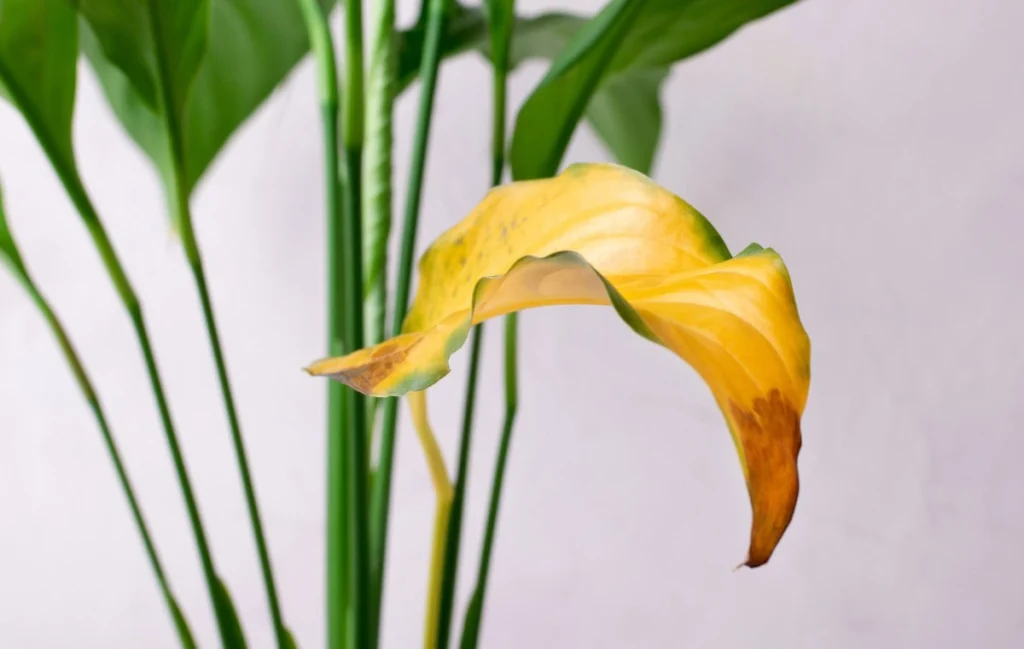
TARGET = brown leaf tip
(771,439)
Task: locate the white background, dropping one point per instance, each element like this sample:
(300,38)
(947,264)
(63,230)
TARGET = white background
(876,144)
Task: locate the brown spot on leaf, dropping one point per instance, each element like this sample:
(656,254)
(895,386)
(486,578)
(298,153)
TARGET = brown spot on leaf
(770,436)
(382,362)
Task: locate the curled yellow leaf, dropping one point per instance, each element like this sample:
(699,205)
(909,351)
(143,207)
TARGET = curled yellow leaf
(605,235)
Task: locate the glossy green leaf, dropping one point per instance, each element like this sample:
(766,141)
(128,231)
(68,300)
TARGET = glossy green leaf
(227,617)
(38,50)
(627,35)
(615,106)
(224,58)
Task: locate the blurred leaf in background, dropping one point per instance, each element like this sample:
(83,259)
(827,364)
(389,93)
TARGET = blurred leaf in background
(216,82)
(632,98)
(625,51)
(38,54)
(608,68)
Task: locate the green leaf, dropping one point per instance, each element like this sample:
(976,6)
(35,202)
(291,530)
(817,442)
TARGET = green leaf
(38,50)
(626,115)
(227,617)
(181,624)
(626,36)
(615,106)
(466,30)
(223,59)
(147,56)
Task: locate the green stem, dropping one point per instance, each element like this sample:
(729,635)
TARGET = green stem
(474,617)
(195,261)
(501,32)
(465,444)
(89,392)
(115,270)
(352,273)
(338,500)
(76,191)
(378,145)
(428,74)
(454,537)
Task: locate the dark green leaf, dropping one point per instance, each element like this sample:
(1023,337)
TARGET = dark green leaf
(38,50)
(254,45)
(547,120)
(227,617)
(158,45)
(627,35)
(140,120)
(224,58)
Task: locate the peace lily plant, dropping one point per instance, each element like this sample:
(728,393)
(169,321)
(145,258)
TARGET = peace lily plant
(183,75)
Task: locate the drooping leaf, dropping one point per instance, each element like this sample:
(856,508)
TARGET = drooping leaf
(626,35)
(604,235)
(38,50)
(227,615)
(614,106)
(224,58)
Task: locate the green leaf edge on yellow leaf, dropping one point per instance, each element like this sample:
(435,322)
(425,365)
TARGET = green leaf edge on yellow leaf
(776,409)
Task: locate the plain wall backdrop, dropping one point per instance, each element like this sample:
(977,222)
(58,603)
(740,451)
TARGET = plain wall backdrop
(878,145)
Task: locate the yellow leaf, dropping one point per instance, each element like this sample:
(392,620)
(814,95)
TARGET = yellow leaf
(604,235)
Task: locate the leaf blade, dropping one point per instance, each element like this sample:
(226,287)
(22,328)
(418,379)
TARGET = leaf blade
(646,34)
(217,81)
(38,53)
(626,115)
(603,235)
